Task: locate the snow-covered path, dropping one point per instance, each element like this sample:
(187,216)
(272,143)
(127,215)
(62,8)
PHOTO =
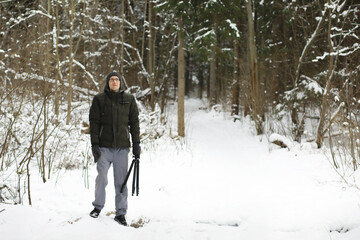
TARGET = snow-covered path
(224,183)
(233,180)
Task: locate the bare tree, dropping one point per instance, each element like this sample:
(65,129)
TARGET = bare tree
(325,104)
(72,50)
(46,91)
(299,123)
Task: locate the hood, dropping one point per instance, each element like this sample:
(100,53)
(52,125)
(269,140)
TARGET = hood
(107,88)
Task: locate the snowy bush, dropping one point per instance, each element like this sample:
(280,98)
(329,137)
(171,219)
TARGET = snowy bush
(344,141)
(34,139)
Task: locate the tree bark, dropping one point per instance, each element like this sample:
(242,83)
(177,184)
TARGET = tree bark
(71,58)
(321,130)
(181,81)
(57,80)
(200,76)
(151,56)
(213,96)
(122,38)
(46,91)
(236,81)
(188,75)
(256,108)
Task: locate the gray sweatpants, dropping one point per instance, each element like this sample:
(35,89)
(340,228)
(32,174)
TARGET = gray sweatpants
(119,158)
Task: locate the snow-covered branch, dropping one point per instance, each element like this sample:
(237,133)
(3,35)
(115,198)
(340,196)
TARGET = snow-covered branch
(87,73)
(31,13)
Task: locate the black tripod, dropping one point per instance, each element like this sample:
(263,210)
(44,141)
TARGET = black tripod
(135,184)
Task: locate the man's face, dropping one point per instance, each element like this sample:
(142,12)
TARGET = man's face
(114,83)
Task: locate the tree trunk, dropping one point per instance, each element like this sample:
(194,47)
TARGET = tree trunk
(151,56)
(72,53)
(188,75)
(46,90)
(299,123)
(164,88)
(122,38)
(57,80)
(201,81)
(256,108)
(236,82)
(136,64)
(213,97)
(71,58)
(324,105)
(181,81)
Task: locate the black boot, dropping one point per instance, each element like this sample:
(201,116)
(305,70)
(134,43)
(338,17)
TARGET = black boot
(121,219)
(95,213)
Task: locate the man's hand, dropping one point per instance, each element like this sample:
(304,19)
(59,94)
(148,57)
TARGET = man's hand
(136,150)
(96,152)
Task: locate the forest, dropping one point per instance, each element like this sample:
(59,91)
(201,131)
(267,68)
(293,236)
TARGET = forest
(291,66)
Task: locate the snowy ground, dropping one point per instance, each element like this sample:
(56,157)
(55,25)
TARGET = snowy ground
(222,182)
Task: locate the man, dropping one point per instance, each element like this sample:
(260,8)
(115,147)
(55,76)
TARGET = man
(113,113)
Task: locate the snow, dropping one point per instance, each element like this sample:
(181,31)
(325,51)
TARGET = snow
(208,33)
(312,85)
(86,72)
(277,137)
(233,27)
(219,182)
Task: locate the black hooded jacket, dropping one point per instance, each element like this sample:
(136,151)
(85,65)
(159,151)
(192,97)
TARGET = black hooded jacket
(113,117)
